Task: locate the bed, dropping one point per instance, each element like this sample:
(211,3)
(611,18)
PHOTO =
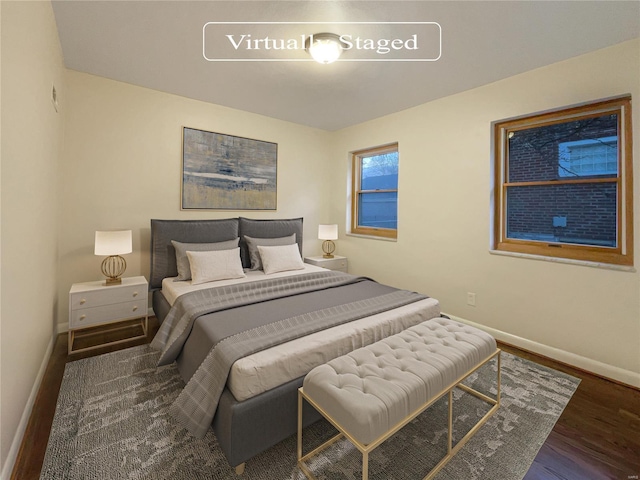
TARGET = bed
(313,316)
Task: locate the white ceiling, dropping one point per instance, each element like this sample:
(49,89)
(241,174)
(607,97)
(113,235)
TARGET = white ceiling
(159,45)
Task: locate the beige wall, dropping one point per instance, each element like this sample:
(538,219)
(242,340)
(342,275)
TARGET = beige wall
(588,314)
(32,135)
(122,167)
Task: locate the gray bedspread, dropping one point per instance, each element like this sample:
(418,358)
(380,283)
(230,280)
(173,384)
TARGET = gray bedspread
(196,405)
(176,327)
(209,329)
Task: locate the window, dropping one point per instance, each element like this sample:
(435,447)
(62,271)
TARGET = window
(374,202)
(564,183)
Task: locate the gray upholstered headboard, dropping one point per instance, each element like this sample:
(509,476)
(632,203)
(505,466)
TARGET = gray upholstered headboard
(163,255)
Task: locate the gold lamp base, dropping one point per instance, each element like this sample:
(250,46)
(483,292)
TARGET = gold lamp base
(328,247)
(113,267)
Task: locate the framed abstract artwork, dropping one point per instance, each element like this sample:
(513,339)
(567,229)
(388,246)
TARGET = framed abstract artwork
(225,172)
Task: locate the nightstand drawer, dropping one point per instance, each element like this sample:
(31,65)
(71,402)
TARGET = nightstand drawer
(86,317)
(107,296)
(337,263)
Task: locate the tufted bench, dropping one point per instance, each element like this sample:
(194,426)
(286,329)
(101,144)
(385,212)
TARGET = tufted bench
(371,393)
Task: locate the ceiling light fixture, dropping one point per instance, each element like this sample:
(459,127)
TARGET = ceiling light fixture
(324,47)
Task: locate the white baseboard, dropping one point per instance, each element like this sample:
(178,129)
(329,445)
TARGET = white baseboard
(7,468)
(605,370)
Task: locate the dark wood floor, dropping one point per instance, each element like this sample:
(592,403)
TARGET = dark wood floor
(597,436)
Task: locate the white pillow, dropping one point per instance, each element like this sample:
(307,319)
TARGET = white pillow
(215,265)
(280,258)
(182,262)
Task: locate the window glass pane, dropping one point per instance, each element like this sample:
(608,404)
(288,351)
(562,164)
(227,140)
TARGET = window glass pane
(572,149)
(380,172)
(378,210)
(585,158)
(584,214)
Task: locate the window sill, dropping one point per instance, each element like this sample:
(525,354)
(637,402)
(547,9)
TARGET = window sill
(371,237)
(583,263)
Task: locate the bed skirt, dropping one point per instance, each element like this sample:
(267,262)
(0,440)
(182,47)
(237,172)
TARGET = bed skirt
(245,429)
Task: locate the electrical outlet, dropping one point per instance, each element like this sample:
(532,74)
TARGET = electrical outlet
(471,299)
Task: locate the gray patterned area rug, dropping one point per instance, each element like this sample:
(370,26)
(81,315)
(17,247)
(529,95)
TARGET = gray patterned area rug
(112,422)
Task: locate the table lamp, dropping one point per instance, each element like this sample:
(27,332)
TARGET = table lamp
(328,233)
(113,243)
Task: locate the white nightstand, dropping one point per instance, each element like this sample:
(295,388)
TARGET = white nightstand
(92,304)
(337,263)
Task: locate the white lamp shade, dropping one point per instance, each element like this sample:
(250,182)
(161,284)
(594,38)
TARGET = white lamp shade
(113,242)
(327,232)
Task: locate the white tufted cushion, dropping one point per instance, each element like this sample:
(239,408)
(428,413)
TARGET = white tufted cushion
(372,389)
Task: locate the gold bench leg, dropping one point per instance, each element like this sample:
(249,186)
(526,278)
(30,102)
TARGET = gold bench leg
(450,433)
(240,469)
(299,426)
(365,466)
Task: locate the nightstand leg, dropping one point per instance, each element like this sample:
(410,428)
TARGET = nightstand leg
(70,342)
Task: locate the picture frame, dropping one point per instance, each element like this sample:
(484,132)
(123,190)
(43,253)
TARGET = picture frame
(227,172)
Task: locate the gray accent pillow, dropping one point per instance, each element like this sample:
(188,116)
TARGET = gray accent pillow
(182,261)
(253,243)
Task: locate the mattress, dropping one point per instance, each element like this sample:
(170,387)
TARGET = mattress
(265,370)
(262,371)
